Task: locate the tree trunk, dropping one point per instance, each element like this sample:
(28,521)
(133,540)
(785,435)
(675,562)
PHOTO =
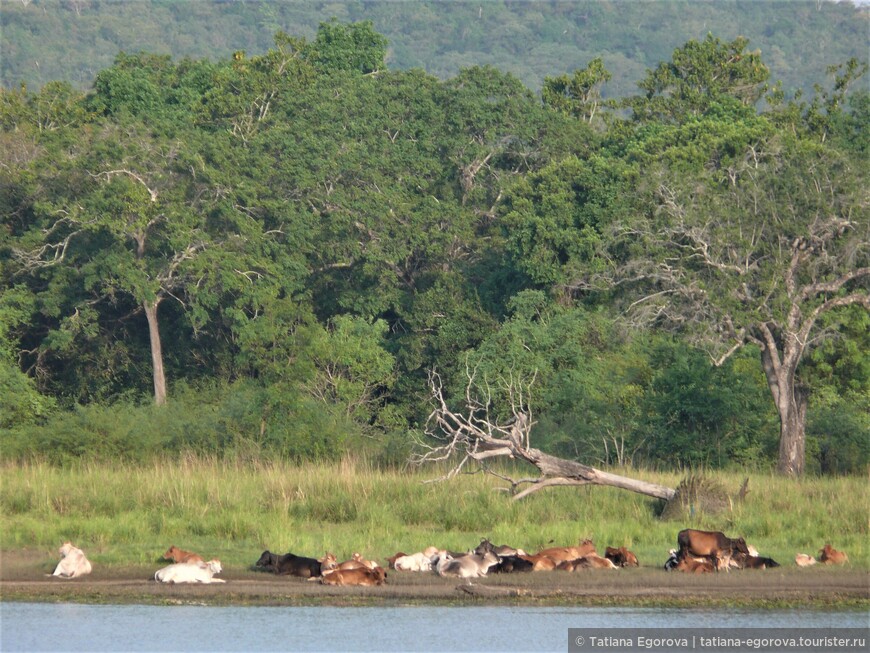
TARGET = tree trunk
(156,351)
(559,471)
(792,434)
(791,405)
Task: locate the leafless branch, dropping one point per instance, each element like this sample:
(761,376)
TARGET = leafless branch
(815,289)
(475,435)
(108,174)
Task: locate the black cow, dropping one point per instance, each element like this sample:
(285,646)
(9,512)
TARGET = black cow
(754,562)
(289,565)
(510,564)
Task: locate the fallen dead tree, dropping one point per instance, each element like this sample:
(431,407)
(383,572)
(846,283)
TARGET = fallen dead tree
(476,436)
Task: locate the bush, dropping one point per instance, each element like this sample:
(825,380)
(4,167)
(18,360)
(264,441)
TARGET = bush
(837,441)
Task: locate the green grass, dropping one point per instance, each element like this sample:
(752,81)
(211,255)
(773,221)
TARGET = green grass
(130,514)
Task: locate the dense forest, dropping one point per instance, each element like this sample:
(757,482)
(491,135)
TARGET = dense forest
(72,40)
(272,254)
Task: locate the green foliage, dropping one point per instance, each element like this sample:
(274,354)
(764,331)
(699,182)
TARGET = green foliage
(837,438)
(700,417)
(698,74)
(21,403)
(352,368)
(319,231)
(839,372)
(356,47)
(717,140)
(133,84)
(554,219)
(580,95)
(241,421)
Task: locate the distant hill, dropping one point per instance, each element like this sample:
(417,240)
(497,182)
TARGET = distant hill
(71,40)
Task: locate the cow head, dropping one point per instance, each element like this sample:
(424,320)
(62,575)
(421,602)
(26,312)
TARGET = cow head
(485,546)
(621,557)
(329,561)
(739,545)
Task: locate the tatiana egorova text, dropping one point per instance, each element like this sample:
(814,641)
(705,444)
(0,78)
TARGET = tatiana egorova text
(718,640)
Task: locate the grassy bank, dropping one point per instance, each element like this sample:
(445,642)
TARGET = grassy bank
(129,515)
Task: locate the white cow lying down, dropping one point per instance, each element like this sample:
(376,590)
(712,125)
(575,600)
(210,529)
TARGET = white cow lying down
(73,562)
(467,566)
(190,572)
(415,562)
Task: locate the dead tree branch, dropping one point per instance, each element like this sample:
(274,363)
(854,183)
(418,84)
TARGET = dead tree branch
(475,435)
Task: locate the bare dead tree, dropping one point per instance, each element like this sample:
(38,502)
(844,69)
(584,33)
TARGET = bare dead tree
(475,436)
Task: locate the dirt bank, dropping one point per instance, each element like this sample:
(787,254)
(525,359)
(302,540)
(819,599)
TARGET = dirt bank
(22,578)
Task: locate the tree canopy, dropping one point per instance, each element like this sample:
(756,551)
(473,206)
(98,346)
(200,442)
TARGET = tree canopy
(287,246)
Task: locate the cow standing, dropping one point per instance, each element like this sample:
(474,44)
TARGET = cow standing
(714,545)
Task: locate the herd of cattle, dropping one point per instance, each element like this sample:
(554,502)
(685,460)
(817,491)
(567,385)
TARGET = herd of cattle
(697,552)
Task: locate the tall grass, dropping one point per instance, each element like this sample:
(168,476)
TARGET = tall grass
(129,514)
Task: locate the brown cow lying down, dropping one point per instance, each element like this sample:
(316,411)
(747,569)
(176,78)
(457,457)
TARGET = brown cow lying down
(621,557)
(357,559)
(329,562)
(830,556)
(695,566)
(804,560)
(540,562)
(360,576)
(178,555)
(561,553)
(591,561)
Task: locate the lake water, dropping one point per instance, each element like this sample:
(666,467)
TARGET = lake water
(34,627)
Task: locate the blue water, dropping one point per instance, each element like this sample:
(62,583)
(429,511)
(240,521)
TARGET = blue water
(34,627)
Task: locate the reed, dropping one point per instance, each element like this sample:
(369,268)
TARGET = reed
(130,514)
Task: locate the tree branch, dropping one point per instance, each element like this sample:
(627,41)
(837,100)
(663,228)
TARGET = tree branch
(814,289)
(543,483)
(111,173)
(476,436)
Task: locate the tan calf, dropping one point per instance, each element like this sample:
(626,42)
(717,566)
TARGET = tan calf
(360,576)
(830,556)
(179,555)
(693,566)
(541,562)
(561,553)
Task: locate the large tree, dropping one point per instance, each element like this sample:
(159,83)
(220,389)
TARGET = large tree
(742,228)
(758,227)
(756,254)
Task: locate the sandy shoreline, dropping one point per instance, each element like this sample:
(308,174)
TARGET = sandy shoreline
(24,579)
